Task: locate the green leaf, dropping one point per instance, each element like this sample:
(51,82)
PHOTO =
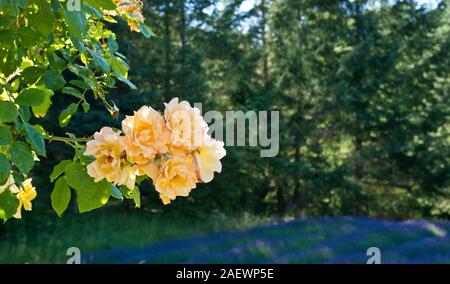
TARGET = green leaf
(8,111)
(41,110)
(8,204)
(31,97)
(25,113)
(126,192)
(116,193)
(43,20)
(32,75)
(92,11)
(90,195)
(28,37)
(113,46)
(4,20)
(119,65)
(66,114)
(56,62)
(80,71)
(6,38)
(11,7)
(34,137)
(54,80)
(80,84)
(5,135)
(78,43)
(136,197)
(102,4)
(5,169)
(76,23)
(60,196)
(125,80)
(8,61)
(146,31)
(22,3)
(86,106)
(100,61)
(76,175)
(59,169)
(72,91)
(22,157)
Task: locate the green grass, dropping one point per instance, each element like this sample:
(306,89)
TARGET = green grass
(46,238)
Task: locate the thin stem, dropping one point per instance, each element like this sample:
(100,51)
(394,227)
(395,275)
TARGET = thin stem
(52,138)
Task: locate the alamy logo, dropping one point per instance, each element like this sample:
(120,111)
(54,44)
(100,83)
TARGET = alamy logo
(375,255)
(75,255)
(73,5)
(249,128)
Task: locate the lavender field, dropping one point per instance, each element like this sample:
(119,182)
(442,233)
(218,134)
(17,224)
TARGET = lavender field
(311,240)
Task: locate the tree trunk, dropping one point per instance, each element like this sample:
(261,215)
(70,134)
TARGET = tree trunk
(297,197)
(183,42)
(168,50)
(264,44)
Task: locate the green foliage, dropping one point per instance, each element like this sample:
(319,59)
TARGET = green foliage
(90,195)
(5,169)
(76,23)
(48,52)
(54,80)
(116,193)
(33,97)
(35,139)
(66,114)
(59,169)
(136,196)
(60,196)
(5,135)
(22,156)
(9,204)
(8,111)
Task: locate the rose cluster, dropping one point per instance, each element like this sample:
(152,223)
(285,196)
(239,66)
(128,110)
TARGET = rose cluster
(173,149)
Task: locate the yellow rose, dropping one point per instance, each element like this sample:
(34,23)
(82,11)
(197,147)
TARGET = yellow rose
(176,177)
(25,194)
(186,123)
(207,158)
(108,148)
(145,135)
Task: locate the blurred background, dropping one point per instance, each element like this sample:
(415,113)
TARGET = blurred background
(363,93)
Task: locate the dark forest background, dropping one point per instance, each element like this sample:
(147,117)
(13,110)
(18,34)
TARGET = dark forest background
(362,88)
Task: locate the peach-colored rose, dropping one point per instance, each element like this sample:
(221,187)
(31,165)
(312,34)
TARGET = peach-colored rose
(176,177)
(150,169)
(26,193)
(127,176)
(186,123)
(145,135)
(108,147)
(207,158)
